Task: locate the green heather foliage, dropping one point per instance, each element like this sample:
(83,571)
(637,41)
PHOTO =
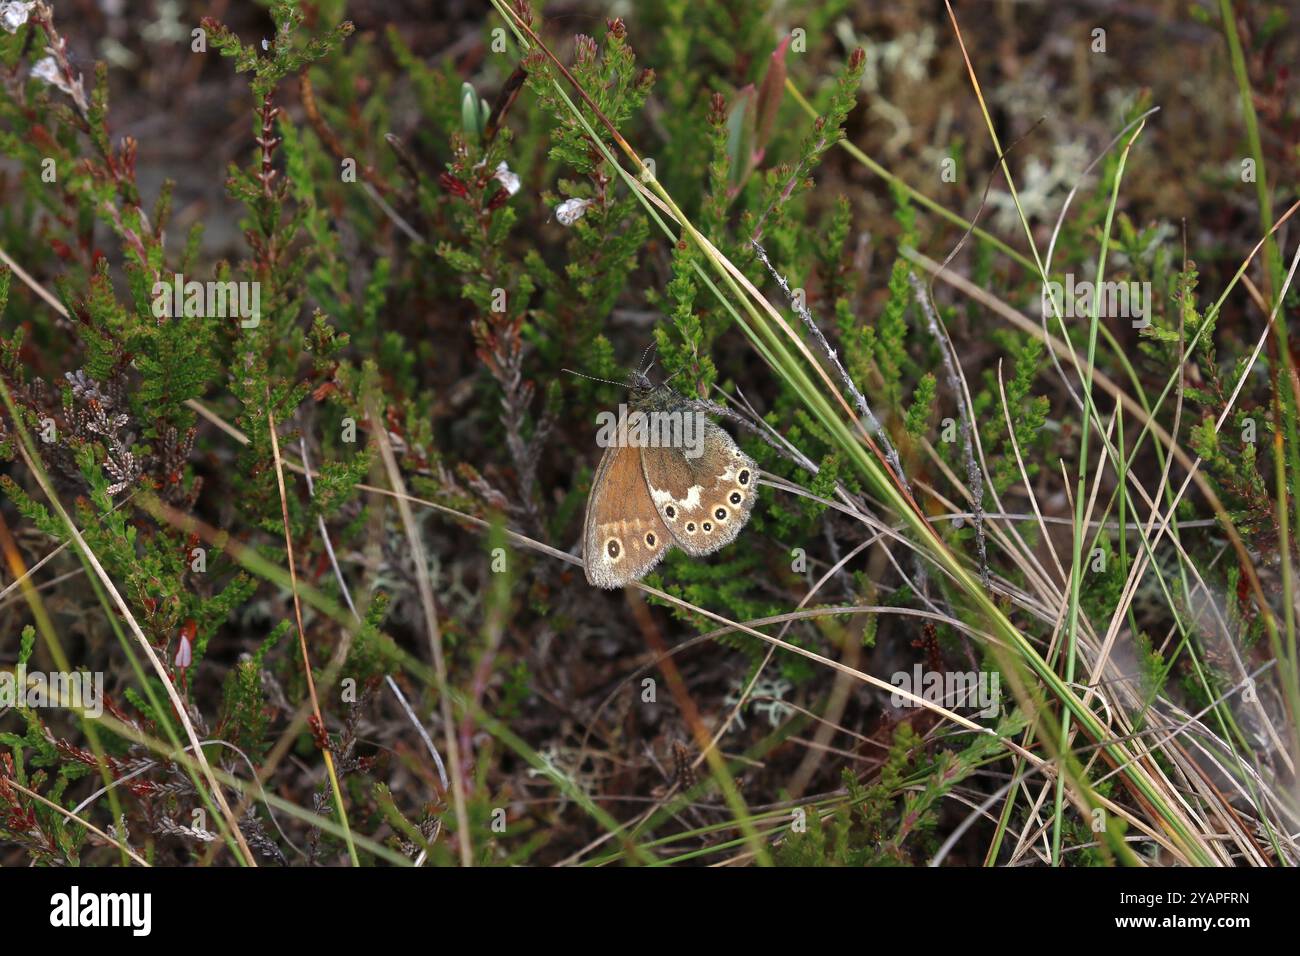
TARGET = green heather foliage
(438,229)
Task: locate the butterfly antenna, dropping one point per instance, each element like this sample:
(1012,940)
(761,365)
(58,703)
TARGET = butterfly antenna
(645,369)
(594,378)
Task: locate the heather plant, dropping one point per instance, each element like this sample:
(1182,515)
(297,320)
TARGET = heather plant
(306,487)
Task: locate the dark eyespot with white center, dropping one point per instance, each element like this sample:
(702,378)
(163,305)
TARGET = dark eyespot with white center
(734,497)
(670,511)
(720,514)
(650,539)
(743,477)
(690,527)
(612,548)
(707,526)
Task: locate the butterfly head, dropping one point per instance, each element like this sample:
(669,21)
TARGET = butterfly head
(653,397)
(648,395)
(643,392)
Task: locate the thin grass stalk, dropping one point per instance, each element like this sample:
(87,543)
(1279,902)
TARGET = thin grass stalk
(1282,395)
(321,734)
(22,579)
(443,684)
(1076,569)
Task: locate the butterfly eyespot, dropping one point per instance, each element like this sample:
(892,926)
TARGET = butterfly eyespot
(720,514)
(735,497)
(650,539)
(707,526)
(670,511)
(744,476)
(690,527)
(613,549)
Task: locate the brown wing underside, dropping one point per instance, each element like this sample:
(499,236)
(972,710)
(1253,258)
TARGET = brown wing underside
(623,536)
(704,501)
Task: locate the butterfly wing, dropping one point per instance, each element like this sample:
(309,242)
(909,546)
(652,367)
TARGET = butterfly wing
(623,536)
(704,501)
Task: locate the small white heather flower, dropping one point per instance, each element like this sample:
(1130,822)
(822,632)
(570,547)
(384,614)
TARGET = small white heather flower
(571,210)
(14,14)
(47,71)
(506,178)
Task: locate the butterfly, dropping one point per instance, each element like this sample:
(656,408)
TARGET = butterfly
(646,497)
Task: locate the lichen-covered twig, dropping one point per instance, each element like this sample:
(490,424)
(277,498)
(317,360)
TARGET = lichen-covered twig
(873,423)
(974,474)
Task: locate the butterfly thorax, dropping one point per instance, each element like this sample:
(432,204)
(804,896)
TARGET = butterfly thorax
(656,398)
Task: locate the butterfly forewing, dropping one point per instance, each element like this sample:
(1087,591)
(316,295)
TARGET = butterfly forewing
(706,500)
(623,536)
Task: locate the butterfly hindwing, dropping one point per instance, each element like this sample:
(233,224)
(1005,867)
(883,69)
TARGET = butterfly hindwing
(706,500)
(623,536)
